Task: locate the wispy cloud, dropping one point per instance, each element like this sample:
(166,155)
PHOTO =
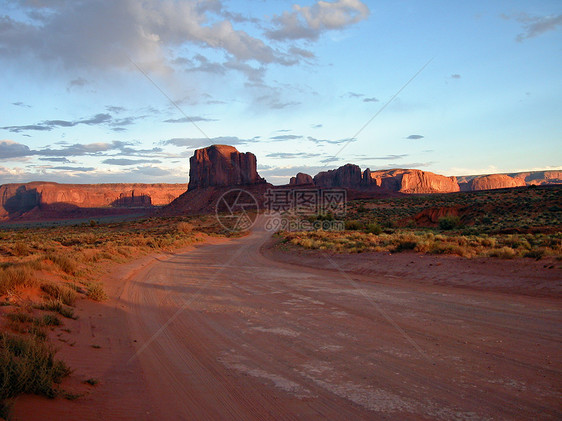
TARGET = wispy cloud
(534,26)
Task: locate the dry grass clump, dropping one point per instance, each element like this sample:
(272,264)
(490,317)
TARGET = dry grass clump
(60,292)
(58,307)
(96,292)
(64,263)
(14,276)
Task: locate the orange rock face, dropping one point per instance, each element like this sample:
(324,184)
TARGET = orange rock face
(222,165)
(495,181)
(412,181)
(17,198)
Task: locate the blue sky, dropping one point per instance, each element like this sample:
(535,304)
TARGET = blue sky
(99,91)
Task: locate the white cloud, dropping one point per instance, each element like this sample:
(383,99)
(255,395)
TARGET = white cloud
(309,22)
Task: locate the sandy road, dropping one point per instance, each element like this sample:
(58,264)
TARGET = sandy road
(249,338)
(222,332)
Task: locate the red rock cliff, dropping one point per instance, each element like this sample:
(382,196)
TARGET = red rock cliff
(17,198)
(411,181)
(222,165)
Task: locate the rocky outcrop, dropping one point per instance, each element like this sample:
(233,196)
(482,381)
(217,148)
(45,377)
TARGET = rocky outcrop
(349,176)
(494,181)
(222,165)
(301,179)
(411,181)
(21,198)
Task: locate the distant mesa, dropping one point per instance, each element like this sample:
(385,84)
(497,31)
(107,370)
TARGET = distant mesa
(494,181)
(41,198)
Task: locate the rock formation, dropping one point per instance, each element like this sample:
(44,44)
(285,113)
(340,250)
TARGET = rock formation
(301,179)
(222,165)
(21,198)
(348,176)
(495,181)
(214,171)
(411,181)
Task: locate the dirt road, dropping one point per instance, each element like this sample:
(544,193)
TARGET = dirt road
(224,333)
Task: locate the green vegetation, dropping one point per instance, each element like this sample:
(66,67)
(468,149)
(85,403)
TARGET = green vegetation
(505,224)
(28,365)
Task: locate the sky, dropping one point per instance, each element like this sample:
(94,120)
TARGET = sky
(125,90)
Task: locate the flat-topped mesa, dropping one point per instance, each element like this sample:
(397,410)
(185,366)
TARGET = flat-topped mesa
(411,181)
(495,181)
(220,166)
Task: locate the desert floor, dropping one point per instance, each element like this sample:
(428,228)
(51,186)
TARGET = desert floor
(239,330)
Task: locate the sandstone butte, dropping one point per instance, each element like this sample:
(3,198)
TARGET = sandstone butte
(222,166)
(26,196)
(214,171)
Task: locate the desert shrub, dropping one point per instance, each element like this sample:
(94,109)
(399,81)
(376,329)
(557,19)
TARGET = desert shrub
(14,276)
(185,227)
(60,292)
(449,222)
(503,253)
(537,253)
(21,249)
(96,291)
(28,365)
(353,225)
(373,228)
(404,245)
